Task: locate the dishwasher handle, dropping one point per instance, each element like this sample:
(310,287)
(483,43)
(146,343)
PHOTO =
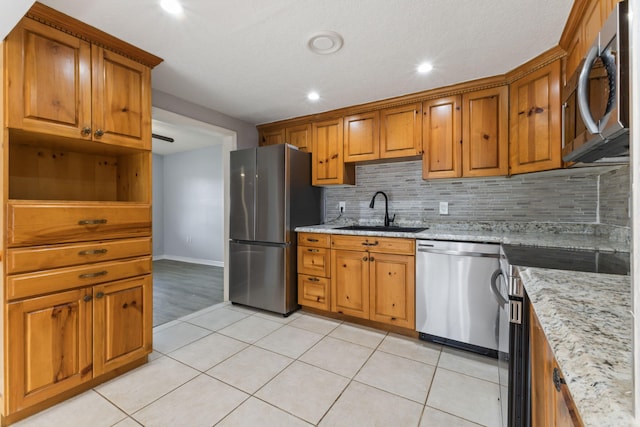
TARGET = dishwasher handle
(494,288)
(432,250)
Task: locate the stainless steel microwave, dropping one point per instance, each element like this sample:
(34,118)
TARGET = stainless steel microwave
(596,98)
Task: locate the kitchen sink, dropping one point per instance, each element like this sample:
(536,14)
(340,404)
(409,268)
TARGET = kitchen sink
(383,228)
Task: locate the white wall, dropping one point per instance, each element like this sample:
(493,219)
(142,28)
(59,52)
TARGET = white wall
(193,206)
(158,205)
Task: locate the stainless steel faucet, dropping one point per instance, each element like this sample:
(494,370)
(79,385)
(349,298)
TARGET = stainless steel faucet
(387,221)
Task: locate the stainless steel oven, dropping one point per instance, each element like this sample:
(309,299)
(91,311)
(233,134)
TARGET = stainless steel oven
(596,97)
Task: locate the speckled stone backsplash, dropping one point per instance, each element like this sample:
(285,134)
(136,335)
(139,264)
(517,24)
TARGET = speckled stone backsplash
(591,195)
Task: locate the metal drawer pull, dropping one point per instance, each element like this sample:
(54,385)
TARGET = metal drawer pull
(91,275)
(312,240)
(93,252)
(92,221)
(314,279)
(313,250)
(370,244)
(99,294)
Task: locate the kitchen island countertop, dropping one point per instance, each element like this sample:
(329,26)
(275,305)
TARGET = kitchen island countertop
(587,320)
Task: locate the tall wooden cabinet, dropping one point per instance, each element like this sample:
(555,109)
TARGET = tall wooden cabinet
(76,238)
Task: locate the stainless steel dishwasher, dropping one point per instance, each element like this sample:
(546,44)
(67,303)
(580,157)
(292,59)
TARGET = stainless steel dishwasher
(456,303)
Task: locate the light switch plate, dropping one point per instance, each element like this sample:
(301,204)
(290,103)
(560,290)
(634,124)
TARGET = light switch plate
(444,208)
(342,206)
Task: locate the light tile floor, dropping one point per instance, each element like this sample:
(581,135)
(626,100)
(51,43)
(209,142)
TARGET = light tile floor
(232,366)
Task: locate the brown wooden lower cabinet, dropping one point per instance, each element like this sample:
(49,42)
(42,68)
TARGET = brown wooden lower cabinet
(59,341)
(48,347)
(370,278)
(551,401)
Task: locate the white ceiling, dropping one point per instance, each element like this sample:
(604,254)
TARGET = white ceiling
(249,60)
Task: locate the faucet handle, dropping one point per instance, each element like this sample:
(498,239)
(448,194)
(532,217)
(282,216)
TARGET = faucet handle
(392,219)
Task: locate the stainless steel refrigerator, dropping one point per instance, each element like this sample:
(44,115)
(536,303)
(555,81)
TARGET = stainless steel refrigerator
(271,195)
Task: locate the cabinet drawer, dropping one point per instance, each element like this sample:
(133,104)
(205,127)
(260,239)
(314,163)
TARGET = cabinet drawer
(313,291)
(42,223)
(42,282)
(373,244)
(317,240)
(314,261)
(21,260)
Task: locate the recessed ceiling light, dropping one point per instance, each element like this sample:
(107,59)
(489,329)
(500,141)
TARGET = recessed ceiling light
(425,67)
(313,96)
(325,42)
(171,6)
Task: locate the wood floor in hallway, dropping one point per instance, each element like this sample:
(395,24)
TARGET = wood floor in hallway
(181,288)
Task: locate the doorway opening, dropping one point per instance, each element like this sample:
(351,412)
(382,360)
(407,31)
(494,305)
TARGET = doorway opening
(190,214)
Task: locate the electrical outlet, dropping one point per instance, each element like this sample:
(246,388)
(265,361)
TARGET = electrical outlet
(444,208)
(342,206)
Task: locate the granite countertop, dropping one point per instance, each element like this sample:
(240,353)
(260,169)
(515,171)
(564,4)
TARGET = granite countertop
(587,320)
(531,236)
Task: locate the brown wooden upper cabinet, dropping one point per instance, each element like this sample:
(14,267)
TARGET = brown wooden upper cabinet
(300,136)
(441,138)
(362,137)
(272,136)
(466,135)
(485,132)
(535,137)
(64,86)
(390,133)
(401,131)
(328,165)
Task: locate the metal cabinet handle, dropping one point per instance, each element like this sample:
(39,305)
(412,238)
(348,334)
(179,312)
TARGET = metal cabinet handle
(557,379)
(86,131)
(370,244)
(100,295)
(99,133)
(93,252)
(312,240)
(92,221)
(87,298)
(313,250)
(372,259)
(365,259)
(314,279)
(92,275)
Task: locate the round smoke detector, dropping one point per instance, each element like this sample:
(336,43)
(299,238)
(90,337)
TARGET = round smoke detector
(325,42)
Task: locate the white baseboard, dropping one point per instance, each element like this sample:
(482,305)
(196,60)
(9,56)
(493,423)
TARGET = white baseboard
(189,260)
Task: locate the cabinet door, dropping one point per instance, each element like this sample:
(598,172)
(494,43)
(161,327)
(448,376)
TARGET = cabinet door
(350,283)
(535,138)
(485,132)
(272,137)
(50,81)
(121,98)
(441,138)
(361,137)
(393,289)
(48,346)
(550,407)
(122,323)
(401,131)
(327,154)
(300,136)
